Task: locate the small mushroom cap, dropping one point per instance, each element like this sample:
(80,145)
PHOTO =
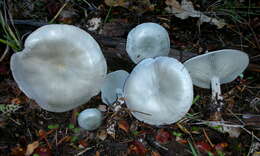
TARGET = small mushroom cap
(90,119)
(61,67)
(159,91)
(113,85)
(225,64)
(147,40)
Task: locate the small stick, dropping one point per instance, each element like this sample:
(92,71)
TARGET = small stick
(5,52)
(58,13)
(207,137)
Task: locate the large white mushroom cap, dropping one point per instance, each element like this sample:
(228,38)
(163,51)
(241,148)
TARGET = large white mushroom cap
(224,64)
(159,91)
(61,67)
(147,40)
(113,86)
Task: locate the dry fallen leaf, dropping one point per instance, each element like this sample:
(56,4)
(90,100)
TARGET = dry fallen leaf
(17,151)
(115,3)
(186,9)
(31,147)
(43,151)
(83,143)
(154,153)
(163,137)
(102,134)
(137,148)
(175,6)
(122,124)
(140,6)
(203,147)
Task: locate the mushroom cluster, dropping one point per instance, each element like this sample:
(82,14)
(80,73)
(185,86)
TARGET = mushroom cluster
(62,67)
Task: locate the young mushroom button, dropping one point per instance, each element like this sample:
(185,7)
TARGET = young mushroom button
(61,67)
(113,86)
(90,119)
(159,91)
(147,40)
(212,69)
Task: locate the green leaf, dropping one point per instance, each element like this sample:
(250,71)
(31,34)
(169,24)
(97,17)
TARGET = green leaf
(220,153)
(196,99)
(74,139)
(135,132)
(71,126)
(177,134)
(193,150)
(55,126)
(76,130)
(195,128)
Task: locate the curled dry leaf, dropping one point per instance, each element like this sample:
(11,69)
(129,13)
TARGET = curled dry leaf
(163,137)
(137,148)
(43,151)
(67,16)
(83,143)
(203,147)
(221,146)
(17,151)
(102,135)
(16,101)
(31,147)
(122,124)
(186,9)
(154,153)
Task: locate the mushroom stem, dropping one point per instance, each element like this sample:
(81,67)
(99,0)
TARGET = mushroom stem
(215,86)
(216,98)
(120,95)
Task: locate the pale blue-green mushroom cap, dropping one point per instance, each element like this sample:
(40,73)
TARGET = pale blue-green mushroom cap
(113,86)
(61,67)
(159,91)
(225,64)
(90,119)
(147,40)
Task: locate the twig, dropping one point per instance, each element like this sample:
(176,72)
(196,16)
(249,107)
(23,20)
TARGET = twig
(108,13)
(251,133)
(5,52)
(207,137)
(236,117)
(85,150)
(58,13)
(62,140)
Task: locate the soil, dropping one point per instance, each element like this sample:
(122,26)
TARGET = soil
(24,126)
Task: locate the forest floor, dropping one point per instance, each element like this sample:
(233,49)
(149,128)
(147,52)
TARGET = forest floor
(26,129)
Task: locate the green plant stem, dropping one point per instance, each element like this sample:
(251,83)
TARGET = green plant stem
(108,14)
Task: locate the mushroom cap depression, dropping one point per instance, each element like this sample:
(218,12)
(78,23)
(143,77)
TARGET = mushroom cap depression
(61,67)
(147,40)
(113,85)
(225,64)
(159,91)
(90,119)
